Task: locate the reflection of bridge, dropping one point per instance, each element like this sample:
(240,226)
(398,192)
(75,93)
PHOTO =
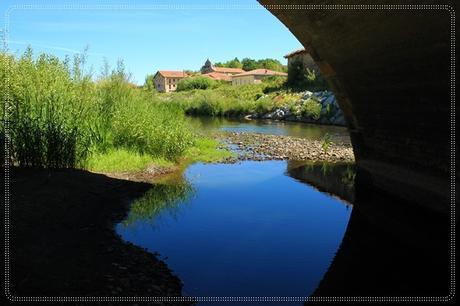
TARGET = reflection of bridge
(336,180)
(387,250)
(390,70)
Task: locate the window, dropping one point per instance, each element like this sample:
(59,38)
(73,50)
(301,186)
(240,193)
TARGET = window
(169,86)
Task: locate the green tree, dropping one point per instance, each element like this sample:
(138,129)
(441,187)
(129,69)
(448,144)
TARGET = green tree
(249,64)
(234,63)
(149,84)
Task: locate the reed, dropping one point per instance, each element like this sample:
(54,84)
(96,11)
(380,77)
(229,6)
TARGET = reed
(59,115)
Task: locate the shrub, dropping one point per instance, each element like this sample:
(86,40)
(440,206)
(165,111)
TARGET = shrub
(196,82)
(311,108)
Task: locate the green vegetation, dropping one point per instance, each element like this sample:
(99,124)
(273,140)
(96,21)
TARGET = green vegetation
(206,150)
(123,160)
(234,63)
(233,101)
(225,100)
(326,142)
(251,64)
(149,84)
(196,82)
(59,117)
(303,78)
(311,108)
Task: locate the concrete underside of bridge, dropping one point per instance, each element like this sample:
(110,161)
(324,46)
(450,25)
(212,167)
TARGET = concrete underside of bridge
(391,72)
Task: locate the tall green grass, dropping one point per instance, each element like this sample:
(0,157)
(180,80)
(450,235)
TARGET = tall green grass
(59,116)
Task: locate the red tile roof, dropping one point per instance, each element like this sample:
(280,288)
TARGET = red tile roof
(218,76)
(227,70)
(172,74)
(300,51)
(261,72)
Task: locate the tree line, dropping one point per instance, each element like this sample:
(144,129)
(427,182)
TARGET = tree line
(248,64)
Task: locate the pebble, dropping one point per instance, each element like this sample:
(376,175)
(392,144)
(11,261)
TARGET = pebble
(255,146)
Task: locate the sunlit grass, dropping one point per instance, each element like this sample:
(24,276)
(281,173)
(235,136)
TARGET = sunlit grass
(207,150)
(123,160)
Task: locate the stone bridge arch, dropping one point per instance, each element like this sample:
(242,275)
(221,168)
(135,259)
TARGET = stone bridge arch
(390,70)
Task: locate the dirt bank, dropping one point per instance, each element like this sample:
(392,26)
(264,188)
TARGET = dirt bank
(63,241)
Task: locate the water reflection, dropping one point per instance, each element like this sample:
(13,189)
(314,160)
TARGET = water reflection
(302,130)
(248,230)
(336,179)
(164,198)
(391,248)
(279,229)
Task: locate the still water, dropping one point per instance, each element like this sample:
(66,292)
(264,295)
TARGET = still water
(245,229)
(302,130)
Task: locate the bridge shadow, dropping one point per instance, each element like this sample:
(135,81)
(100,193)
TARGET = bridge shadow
(391,247)
(62,239)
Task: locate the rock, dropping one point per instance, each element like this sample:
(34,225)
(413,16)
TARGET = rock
(306,95)
(278,114)
(267,116)
(330,100)
(340,120)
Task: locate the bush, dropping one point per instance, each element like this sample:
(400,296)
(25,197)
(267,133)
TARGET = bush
(196,82)
(311,108)
(225,100)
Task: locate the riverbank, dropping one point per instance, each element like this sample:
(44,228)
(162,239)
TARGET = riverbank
(76,251)
(254,146)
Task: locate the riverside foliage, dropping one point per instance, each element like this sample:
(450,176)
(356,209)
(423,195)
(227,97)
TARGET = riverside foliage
(59,116)
(226,100)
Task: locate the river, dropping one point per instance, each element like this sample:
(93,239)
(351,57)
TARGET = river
(289,229)
(250,228)
(272,127)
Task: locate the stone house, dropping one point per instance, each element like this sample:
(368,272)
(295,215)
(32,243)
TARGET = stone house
(254,76)
(166,81)
(210,68)
(302,58)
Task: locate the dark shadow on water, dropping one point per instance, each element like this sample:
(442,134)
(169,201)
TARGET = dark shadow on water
(390,248)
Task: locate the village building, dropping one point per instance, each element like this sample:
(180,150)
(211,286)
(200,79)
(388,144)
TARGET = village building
(217,76)
(301,58)
(254,76)
(166,81)
(210,68)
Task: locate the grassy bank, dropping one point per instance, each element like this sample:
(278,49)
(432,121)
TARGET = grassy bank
(225,100)
(60,116)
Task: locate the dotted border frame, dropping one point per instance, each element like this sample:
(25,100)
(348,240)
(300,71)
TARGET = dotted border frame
(7,225)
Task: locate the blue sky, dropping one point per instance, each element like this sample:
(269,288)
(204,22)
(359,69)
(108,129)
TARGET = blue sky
(148,35)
